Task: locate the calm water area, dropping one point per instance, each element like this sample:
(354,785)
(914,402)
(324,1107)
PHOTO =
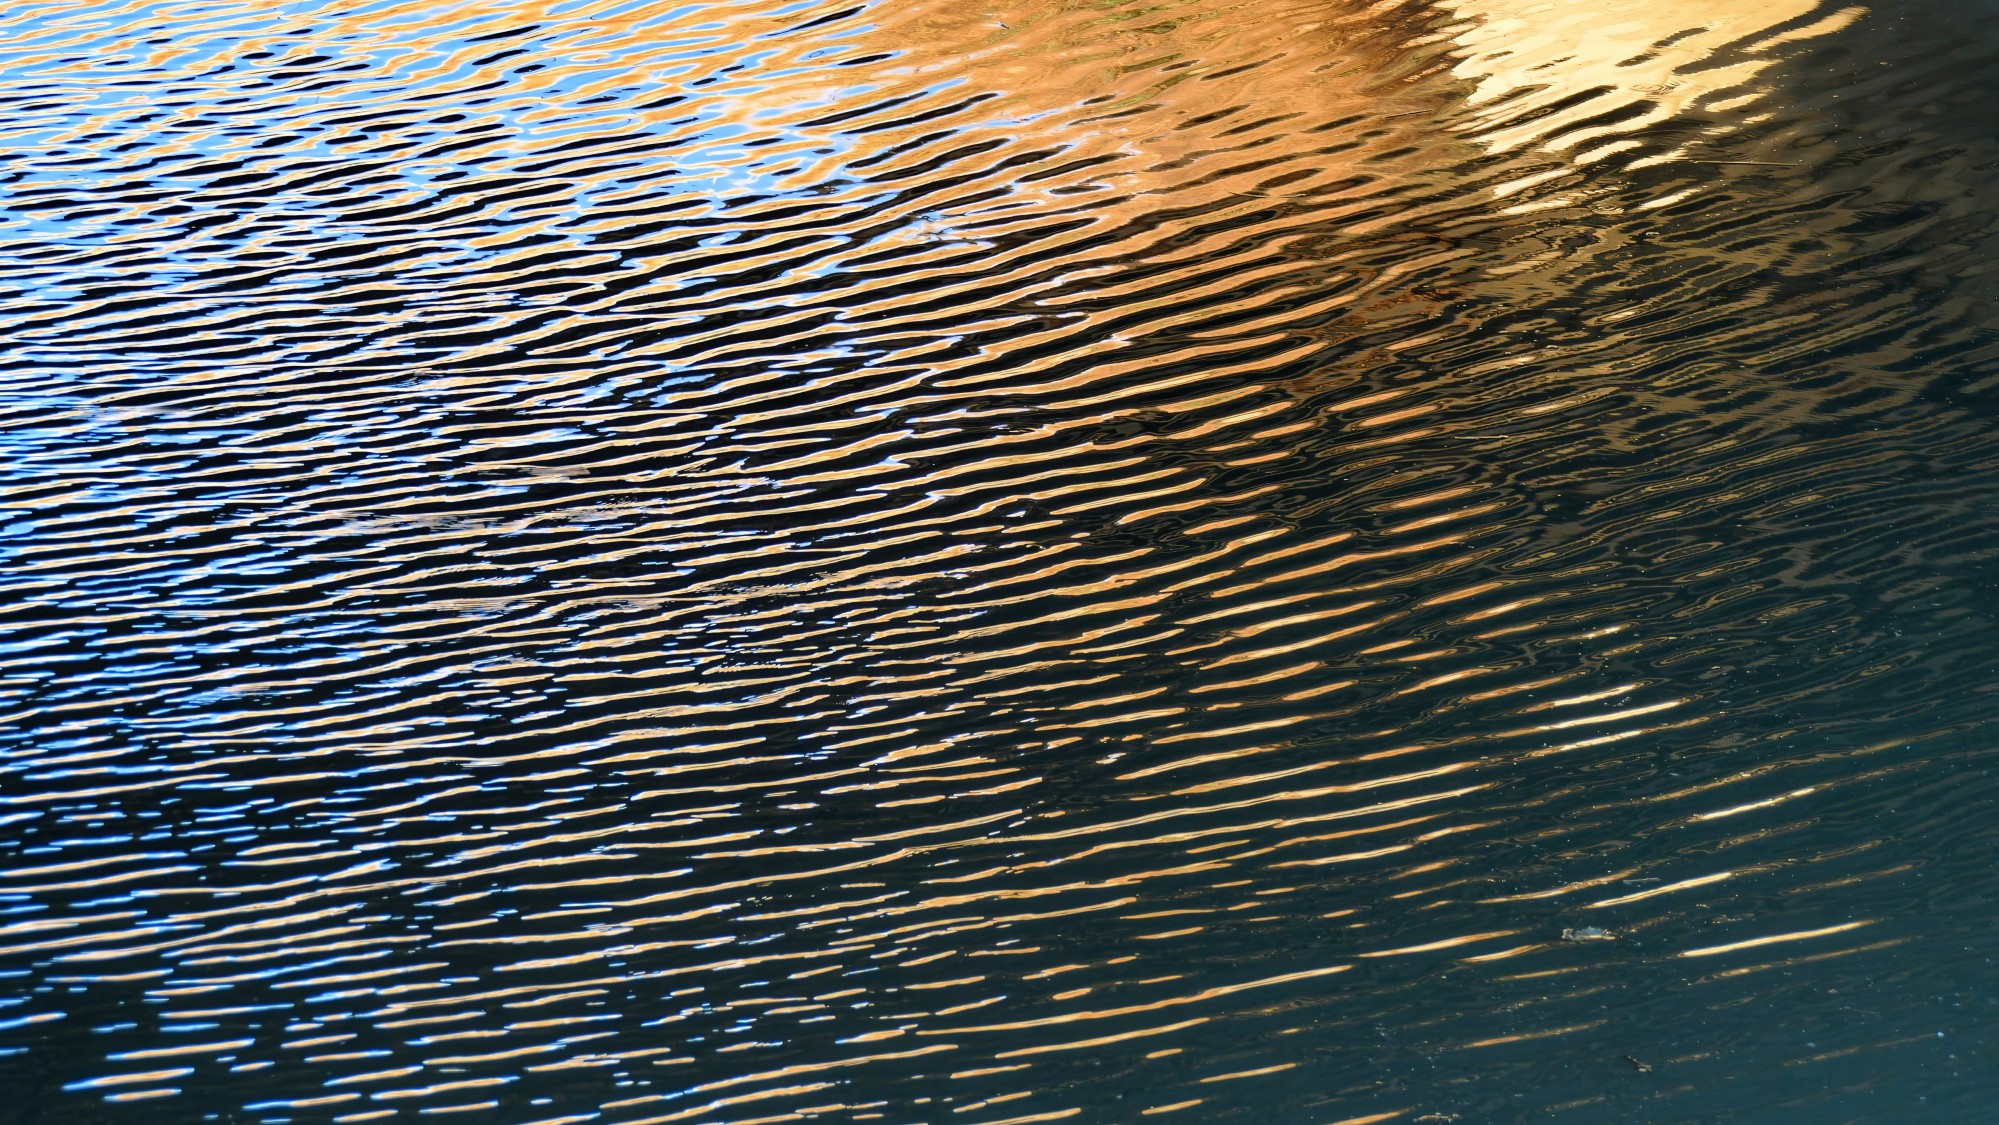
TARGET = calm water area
(999,561)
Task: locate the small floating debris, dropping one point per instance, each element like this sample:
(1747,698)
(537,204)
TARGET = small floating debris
(1588,933)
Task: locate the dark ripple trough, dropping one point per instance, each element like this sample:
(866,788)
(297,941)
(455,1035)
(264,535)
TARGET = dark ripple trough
(619,562)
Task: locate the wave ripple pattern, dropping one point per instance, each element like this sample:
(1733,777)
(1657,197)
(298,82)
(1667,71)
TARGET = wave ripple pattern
(620,561)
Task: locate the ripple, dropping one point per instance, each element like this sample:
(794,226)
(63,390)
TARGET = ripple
(621,562)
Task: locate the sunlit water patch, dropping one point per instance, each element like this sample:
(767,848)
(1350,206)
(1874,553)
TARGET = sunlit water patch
(996,563)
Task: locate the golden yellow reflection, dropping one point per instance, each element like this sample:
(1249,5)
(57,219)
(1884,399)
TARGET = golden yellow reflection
(1671,57)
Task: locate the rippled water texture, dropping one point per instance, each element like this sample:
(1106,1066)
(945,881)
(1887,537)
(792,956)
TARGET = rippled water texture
(998,562)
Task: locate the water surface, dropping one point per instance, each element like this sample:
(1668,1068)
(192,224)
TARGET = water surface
(1005,562)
